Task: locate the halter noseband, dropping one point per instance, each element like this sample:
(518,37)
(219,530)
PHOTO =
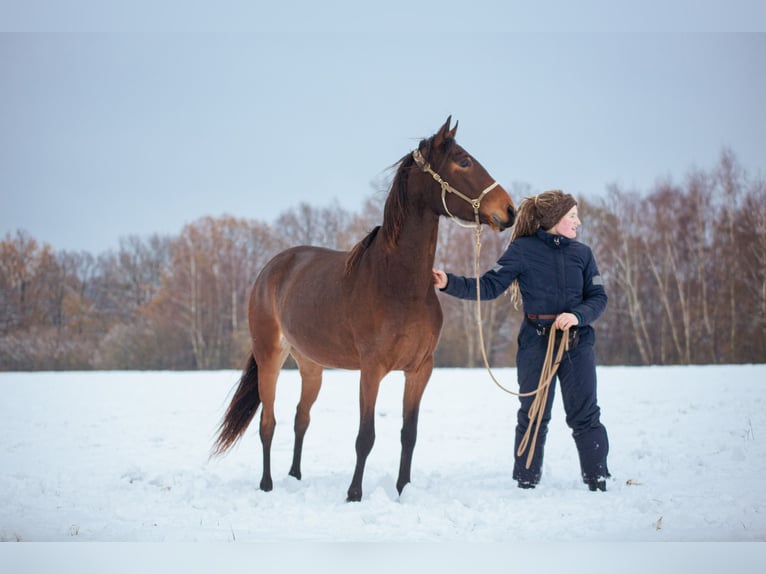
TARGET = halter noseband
(446,187)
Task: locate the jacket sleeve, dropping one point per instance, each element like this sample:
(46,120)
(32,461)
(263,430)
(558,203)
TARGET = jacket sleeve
(594,295)
(493,283)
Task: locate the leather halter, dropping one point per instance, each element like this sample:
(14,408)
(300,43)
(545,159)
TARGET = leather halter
(446,187)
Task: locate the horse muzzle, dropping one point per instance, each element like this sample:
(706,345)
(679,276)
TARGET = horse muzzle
(501,223)
(497,210)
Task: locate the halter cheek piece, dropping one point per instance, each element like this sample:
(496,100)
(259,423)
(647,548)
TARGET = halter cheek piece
(446,187)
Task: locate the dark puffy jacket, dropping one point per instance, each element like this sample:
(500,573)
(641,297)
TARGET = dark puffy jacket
(555,274)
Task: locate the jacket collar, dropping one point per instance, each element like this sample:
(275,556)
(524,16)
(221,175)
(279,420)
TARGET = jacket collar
(551,240)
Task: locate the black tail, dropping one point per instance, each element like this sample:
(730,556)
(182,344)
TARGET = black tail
(241,410)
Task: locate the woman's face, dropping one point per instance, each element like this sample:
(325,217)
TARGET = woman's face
(567,225)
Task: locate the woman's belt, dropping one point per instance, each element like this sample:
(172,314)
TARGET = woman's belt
(536,317)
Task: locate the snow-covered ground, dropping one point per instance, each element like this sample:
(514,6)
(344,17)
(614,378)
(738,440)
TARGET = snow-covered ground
(123,457)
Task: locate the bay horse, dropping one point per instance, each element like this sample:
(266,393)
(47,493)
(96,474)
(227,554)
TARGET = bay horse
(372,309)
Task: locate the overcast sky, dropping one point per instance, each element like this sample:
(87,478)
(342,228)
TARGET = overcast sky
(140,129)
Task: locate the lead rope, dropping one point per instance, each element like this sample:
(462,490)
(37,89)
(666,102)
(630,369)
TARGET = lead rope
(537,409)
(550,366)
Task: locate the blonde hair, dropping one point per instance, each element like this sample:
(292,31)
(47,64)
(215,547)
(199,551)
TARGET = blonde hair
(543,210)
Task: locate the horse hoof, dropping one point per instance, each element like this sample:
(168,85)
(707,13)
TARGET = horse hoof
(354,495)
(266,485)
(295,473)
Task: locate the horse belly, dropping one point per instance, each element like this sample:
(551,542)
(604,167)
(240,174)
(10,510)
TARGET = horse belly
(321,337)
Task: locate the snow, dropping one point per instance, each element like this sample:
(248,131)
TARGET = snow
(123,457)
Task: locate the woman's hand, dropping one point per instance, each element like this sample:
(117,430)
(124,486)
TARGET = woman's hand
(440,279)
(565,321)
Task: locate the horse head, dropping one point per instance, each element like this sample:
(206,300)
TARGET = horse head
(468,192)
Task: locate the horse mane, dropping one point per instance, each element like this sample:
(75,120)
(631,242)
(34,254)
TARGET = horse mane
(394,211)
(355,254)
(393,215)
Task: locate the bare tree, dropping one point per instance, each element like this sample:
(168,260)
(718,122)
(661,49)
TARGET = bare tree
(214,262)
(323,227)
(750,305)
(23,262)
(616,228)
(684,267)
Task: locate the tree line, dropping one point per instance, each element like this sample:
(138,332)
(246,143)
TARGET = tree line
(684,266)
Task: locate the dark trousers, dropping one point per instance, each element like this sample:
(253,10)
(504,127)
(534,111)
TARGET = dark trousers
(577,377)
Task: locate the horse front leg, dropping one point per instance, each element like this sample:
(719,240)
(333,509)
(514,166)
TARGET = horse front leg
(365,439)
(414,386)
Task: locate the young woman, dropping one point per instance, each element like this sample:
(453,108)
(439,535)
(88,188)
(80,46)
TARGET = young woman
(560,288)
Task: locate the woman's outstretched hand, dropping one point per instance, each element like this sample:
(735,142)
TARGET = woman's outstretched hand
(440,279)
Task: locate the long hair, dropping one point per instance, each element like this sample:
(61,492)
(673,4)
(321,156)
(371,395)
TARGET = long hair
(535,212)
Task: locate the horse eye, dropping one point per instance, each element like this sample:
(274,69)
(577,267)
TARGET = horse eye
(465,162)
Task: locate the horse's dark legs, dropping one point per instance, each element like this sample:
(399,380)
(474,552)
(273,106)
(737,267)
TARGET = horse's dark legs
(415,384)
(311,382)
(268,423)
(368,395)
(267,434)
(267,383)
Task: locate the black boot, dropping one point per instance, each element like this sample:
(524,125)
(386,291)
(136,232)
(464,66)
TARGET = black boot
(593,447)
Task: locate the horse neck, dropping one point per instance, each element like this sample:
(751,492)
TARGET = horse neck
(411,259)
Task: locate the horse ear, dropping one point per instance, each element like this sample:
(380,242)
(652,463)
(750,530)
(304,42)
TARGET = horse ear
(453,131)
(444,133)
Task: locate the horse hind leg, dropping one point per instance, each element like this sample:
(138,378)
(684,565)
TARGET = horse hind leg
(311,382)
(414,386)
(269,365)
